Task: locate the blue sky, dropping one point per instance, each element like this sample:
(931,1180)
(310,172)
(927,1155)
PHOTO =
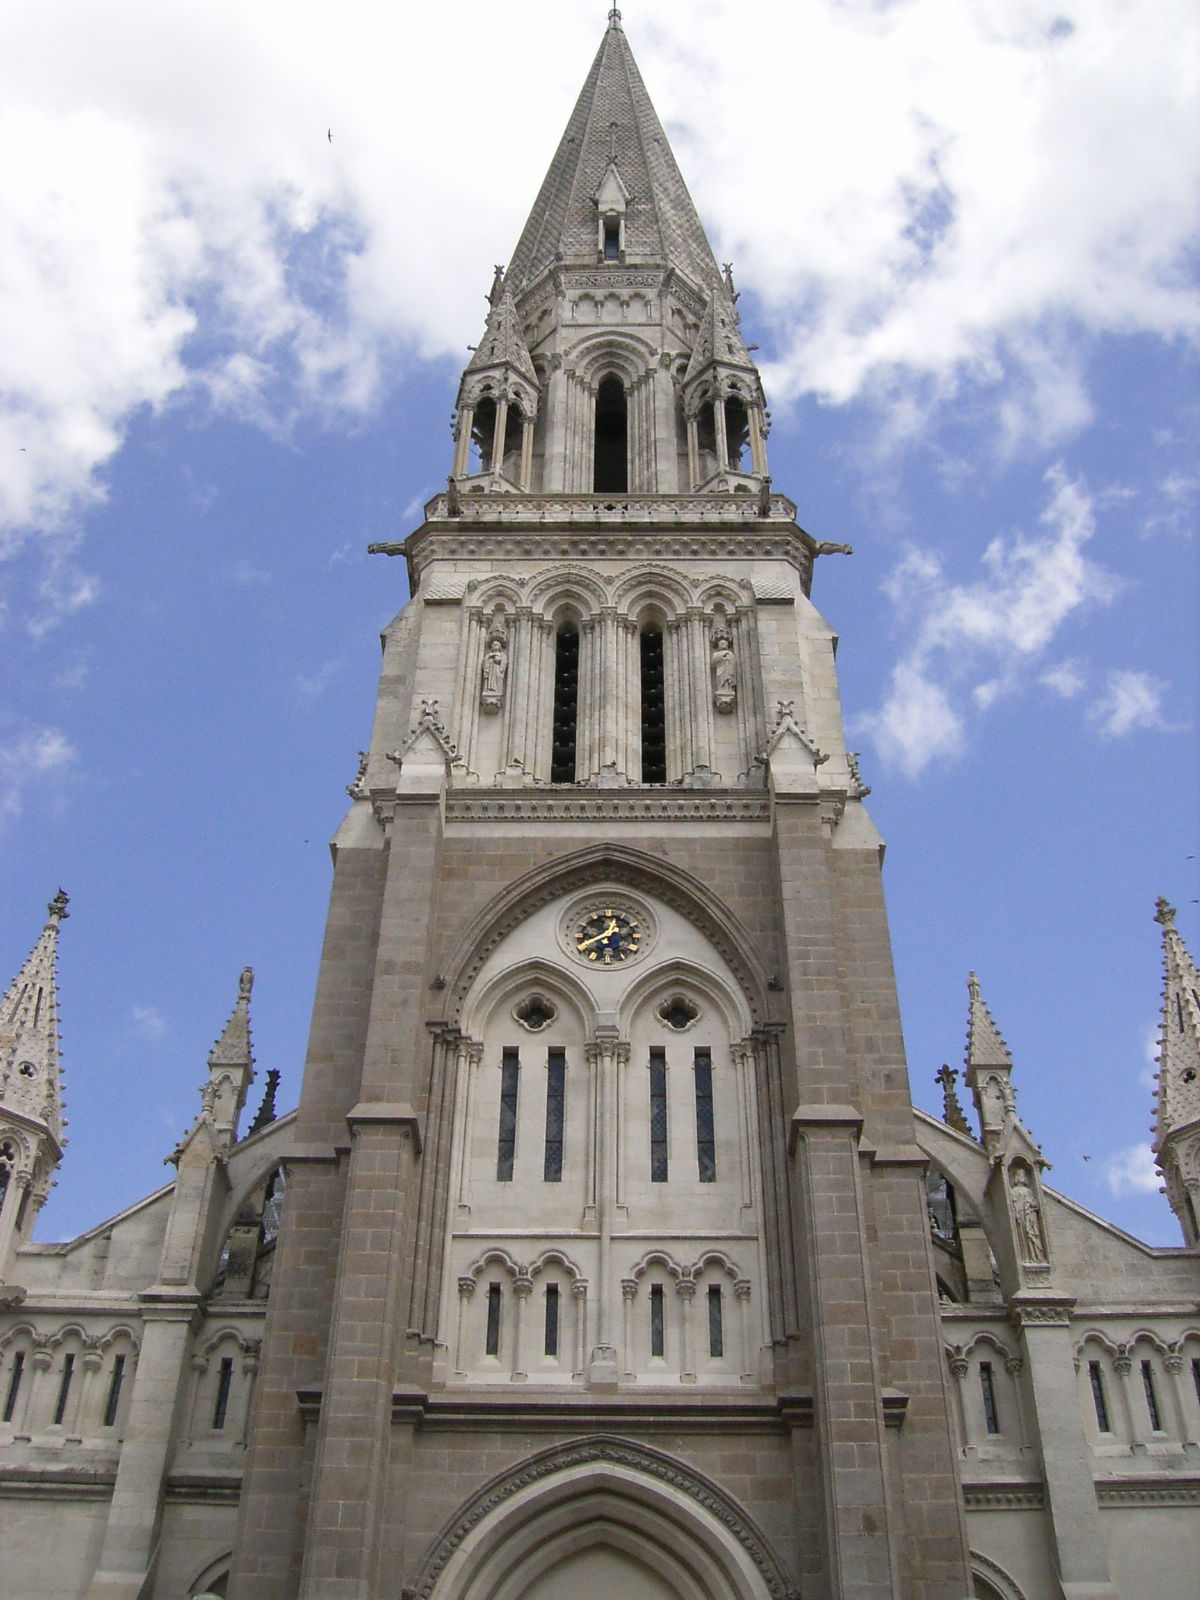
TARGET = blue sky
(965,236)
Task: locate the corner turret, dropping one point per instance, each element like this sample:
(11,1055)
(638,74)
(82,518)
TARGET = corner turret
(1177,1122)
(31,1102)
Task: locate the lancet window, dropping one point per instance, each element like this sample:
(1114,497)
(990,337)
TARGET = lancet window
(611,452)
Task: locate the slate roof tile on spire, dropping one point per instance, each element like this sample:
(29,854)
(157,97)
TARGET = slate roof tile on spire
(30,1064)
(1178,1099)
(614,124)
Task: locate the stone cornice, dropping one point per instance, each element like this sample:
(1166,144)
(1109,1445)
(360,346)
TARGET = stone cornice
(634,805)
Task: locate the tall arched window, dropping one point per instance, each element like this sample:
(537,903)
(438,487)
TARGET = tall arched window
(611,469)
(566,704)
(654,726)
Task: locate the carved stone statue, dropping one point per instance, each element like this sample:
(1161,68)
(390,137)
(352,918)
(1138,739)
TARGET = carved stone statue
(1028,1216)
(724,672)
(495,670)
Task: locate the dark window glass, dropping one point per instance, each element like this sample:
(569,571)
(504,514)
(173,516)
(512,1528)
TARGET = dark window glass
(612,239)
(64,1388)
(1151,1397)
(14,1385)
(657,1330)
(566,704)
(1099,1398)
(658,1115)
(1196,1376)
(716,1332)
(556,1084)
(224,1384)
(612,435)
(491,1345)
(551,1346)
(991,1417)
(114,1391)
(654,724)
(510,1073)
(706,1149)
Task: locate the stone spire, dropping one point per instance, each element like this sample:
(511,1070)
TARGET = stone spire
(614,134)
(1177,1123)
(31,1102)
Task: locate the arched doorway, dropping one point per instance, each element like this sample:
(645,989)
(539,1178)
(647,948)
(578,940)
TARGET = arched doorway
(601,1518)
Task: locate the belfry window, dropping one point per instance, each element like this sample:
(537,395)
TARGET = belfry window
(612,238)
(737,433)
(654,724)
(483,435)
(566,703)
(611,469)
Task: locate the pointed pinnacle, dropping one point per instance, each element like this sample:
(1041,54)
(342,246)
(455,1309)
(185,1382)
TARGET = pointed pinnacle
(234,1046)
(985,1044)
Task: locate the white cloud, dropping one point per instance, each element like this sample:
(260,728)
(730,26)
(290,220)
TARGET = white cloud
(148,1023)
(1132,700)
(1132,1171)
(1065,678)
(971,642)
(992,182)
(27,759)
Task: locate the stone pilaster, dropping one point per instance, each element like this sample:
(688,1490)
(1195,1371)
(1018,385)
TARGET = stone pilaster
(1045,1324)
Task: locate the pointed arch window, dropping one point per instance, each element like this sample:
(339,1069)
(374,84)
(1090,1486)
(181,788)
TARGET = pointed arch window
(611,458)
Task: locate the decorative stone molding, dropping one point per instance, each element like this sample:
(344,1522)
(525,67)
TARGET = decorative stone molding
(604,1450)
(571,804)
(1004,1496)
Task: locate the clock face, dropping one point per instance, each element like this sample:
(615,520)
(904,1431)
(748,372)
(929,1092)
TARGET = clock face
(607,935)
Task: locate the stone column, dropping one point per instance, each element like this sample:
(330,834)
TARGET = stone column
(527,425)
(522,1289)
(749,1362)
(693,450)
(685,1290)
(1073,1513)
(1173,1361)
(629,1291)
(131,1534)
(719,430)
(758,449)
(496,464)
(466,1293)
(462,441)
(579,1293)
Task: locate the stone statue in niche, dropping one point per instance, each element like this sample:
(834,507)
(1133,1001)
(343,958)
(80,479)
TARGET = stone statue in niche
(724,672)
(495,670)
(1027,1214)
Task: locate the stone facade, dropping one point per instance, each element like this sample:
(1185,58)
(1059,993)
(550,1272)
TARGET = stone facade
(614,1254)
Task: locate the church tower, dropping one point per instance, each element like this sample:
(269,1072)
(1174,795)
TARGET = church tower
(31,1100)
(605,1263)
